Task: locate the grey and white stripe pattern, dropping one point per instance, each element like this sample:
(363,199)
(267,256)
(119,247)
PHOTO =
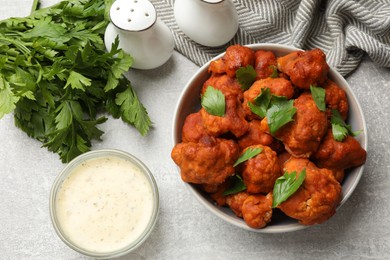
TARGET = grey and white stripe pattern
(343,29)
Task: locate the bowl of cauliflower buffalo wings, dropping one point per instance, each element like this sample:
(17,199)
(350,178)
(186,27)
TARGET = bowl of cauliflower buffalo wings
(269,137)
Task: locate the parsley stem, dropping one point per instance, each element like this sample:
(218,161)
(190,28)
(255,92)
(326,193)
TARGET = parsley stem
(8,67)
(11,34)
(18,44)
(35,6)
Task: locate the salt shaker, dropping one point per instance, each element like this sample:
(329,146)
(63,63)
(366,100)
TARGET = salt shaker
(141,33)
(208,22)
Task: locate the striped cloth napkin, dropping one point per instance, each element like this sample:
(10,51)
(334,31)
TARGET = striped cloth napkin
(343,29)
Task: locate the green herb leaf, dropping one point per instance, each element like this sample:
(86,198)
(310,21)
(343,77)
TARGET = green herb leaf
(7,97)
(261,102)
(339,132)
(237,186)
(35,5)
(287,185)
(55,74)
(213,101)
(249,153)
(336,118)
(340,129)
(64,116)
(49,30)
(132,111)
(318,95)
(246,76)
(280,112)
(275,73)
(124,62)
(77,81)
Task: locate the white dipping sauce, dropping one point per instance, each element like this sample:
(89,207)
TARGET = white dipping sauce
(105,204)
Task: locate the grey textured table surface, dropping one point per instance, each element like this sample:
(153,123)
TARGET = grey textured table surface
(185,229)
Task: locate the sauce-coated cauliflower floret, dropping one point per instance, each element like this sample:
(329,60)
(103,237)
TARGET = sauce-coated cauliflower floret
(255,135)
(193,129)
(305,68)
(257,210)
(236,56)
(265,64)
(261,171)
(337,155)
(216,191)
(336,98)
(227,85)
(317,198)
(277,86)
(338,174)
(302,137)
(233,121)
(210,161)
(235,202)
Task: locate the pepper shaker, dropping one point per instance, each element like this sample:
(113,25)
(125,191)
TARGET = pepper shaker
(141,33)
(208,22)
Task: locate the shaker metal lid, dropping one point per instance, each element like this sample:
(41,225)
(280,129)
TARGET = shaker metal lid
(133,15)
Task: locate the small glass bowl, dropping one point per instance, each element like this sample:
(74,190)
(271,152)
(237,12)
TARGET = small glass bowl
(69,169)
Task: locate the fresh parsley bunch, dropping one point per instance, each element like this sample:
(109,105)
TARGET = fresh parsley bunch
(56,75)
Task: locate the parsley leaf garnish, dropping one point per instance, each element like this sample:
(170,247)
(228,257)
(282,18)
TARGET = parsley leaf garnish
(249,153)
(261,102)
(318,95)
(278,109)
(237,186)
(56,75)
(287,185)
(340,129)
(213,101)
(246,76)
(280,112)
(274,73)
(339,132)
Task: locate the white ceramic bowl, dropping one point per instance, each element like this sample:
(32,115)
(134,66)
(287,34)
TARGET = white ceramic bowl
(189,102)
